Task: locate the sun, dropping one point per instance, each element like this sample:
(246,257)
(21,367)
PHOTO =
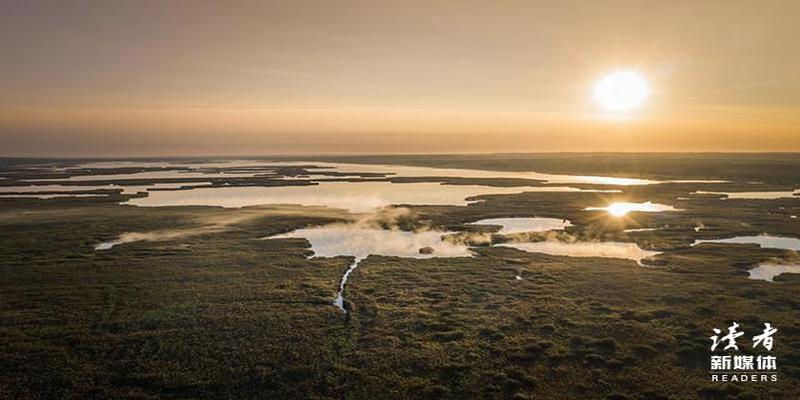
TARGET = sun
(621,91)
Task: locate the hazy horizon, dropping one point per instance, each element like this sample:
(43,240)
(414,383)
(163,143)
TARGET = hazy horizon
(148,78)
(233,156)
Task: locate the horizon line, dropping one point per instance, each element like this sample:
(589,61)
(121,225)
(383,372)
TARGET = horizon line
(80,157)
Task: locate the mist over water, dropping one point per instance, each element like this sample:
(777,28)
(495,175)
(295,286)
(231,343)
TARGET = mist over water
(360,241)
(130,237)
(520,225)
(626,250)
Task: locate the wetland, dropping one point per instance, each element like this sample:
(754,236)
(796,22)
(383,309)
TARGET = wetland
(574,276)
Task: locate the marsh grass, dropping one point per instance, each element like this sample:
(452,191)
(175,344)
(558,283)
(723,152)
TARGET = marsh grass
(222,314)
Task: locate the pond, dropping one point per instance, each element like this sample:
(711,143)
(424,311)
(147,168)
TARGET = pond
(619,209)
(768,271)
(765,241)
(352,196)
(359,242)
(626,250)
(756,195)
(519,225)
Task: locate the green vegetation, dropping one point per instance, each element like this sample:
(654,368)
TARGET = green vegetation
(222,313)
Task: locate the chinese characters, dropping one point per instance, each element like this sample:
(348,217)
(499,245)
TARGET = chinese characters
(743,367)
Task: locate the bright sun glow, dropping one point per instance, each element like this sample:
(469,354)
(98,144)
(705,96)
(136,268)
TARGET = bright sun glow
(620,209)
(621,91)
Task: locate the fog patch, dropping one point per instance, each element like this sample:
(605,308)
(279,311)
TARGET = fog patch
(162,235)
(362,239)
(626,250)
(218,223)
(130,237)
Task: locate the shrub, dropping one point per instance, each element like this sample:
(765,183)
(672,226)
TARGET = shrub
(448,336)
(606,345)
(594,359)
(547,329)
(643,350)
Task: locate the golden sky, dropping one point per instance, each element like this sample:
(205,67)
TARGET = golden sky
(153,78)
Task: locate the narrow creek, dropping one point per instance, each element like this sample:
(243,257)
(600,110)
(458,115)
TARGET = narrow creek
(339,301)
(360,241)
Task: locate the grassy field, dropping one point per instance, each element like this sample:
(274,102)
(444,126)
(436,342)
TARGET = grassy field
(221,313)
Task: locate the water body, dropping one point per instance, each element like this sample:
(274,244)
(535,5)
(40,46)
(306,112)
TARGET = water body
(640,230)
(361,241)
(622,208)
(519,225)
(755,195)
(350,168)
(232,163)
(154,175)
(46,196)
(626,250)
(126,189)
(698,181)
(49,188)
(339,300)
(352,196)
(765,241)
(416,172)
(125,164)
(107,245)
(768,271)
(700,228)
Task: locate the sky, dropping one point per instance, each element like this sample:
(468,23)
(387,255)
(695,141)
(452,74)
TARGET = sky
(161,78)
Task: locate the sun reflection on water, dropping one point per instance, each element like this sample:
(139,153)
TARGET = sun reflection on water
(619,209)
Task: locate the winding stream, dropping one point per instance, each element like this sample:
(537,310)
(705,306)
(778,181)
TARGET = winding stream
(360,242)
